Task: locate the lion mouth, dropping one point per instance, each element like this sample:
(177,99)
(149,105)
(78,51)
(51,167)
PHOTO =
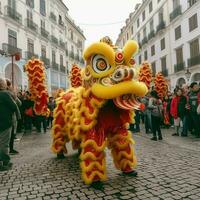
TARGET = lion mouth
(127,102)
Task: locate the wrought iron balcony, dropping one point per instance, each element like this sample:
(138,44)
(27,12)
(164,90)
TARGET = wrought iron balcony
(145,40)
(29,55)
(62,44)
(54,65)
(45,60)
(44,33)
(31,24)
(11,50)
(176,12)
(62,68)
(61,23)
(151,35)
(13,14)
(179,67)
(165,72)
(54,39)
(53,17)
(194,61)
(71,55)
(160,26)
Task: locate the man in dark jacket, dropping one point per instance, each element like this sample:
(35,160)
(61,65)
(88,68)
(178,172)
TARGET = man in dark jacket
(7,109)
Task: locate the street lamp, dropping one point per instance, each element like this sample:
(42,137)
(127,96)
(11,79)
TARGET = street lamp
(187,74)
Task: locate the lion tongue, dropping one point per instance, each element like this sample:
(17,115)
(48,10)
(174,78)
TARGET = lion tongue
(127,102)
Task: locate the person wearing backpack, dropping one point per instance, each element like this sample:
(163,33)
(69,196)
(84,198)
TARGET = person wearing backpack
(156,107)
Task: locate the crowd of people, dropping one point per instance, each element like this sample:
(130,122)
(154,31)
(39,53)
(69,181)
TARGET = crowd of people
(17,115)
(180,109)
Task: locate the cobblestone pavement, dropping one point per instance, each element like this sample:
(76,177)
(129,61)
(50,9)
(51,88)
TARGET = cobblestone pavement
(168,169)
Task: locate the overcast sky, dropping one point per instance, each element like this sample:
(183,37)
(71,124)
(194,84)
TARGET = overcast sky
(98,18)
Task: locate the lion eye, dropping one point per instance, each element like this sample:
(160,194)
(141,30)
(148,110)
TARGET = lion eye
(100,64)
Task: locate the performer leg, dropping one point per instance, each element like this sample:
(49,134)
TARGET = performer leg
(93,156)
(122,150)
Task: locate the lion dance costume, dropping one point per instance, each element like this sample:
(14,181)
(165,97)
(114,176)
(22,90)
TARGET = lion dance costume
(97,110)
(37,86)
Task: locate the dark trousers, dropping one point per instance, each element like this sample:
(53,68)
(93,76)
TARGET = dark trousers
(156,126)
(49,121)
(41,121)
(12,138)
(196,123)
(27,123)
(147,123)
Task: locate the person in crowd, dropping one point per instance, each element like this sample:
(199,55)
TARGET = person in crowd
(147,114)
(20,121)
(7,108)
(16,116)
(178,111)
(155,105)
(51,106)
(135,128)
(194,101)
(27,108)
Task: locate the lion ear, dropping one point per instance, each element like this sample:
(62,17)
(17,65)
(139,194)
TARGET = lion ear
(129,50)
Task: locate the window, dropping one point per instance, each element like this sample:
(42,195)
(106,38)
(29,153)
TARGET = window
(61,60)
(162,44)
(150,7)
(138,37)
(163,63)
(193,22)
(160,16)
(179,55)
(143,15)
(176,3)
(42,7)
(151,25)
(43,51)
(194,48)
(42,23)
(131,30)
(29,15)
(140,59)
(72,35)
(191,2)
(138,22)
(158,1)
(177,32)
(152,50)
(53,56)
(30,3)
(30,46)
(12,38)
(12,4)
(144,32)
(145,55)
(153,67)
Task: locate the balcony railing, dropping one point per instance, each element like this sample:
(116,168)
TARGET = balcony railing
(179,67)
(160,26)
(176,12)
(46,61)
(144,41)
(151,35)
(71,55)
(54,39)
(194,61)
(13,14)
(62,44)
(11,50)
(165,72)
(44,33)
(29,55)
(62,68)
(31,25)
(54,65)
(53,17)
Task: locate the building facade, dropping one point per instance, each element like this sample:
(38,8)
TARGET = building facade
(168,33)
(41,29)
